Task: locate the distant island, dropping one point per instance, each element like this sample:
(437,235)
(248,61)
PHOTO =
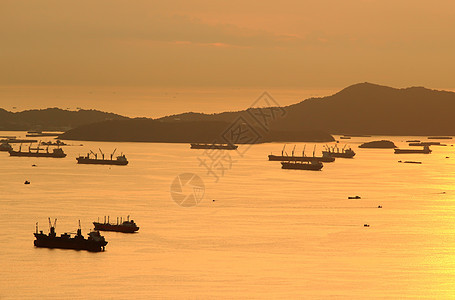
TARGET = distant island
(361,109)
(379,144)
(52,119)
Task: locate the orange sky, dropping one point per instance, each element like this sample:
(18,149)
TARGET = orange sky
(326,44)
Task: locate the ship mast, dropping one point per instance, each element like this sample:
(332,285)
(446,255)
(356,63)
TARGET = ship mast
(101,152)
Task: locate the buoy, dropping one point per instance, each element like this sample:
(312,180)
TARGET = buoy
(379,206)
(213,200)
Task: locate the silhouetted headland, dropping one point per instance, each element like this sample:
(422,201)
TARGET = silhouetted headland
(361,110)
(51,119)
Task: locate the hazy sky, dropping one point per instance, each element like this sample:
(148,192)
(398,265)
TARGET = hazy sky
(321,44)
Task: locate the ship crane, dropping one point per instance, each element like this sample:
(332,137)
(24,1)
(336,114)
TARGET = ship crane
(52,227)
(95,154)
(282,151)
(101,152)
(112,155)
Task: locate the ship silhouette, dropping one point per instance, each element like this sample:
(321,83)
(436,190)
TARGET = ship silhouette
(94,160)
(94,243)
(125,227)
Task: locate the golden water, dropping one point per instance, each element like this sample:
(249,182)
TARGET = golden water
(271,233)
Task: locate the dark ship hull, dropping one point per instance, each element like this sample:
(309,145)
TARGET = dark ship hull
(114,227)
(404,151)
(91,161)
(37,154)
(214,146)
(301,158)
(349,154)
(44,241)
(300,166)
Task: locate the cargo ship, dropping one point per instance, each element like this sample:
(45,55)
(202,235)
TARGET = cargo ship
(214,146)
(56,153)
(94,160)
(426,150)
(335,152)
(94,243)
(313,165)
(125,227)
(324,158)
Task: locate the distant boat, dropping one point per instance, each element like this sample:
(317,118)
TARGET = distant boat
(214,146)
(37,134)
(337,152)
(56,152)
(313,165)
(410,162)
(324,158)
(17,141)
(440,137)
(125,227)
(87,160)
(425,144)
(426,150)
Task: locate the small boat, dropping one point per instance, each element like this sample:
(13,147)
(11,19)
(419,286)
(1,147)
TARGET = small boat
(426,150)
(87,160)
(214,146)
(335,152)
(94,243)
(410,162)
(354,197)
(125,227)
(313,165)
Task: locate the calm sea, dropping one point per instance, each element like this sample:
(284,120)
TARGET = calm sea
(270,233)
